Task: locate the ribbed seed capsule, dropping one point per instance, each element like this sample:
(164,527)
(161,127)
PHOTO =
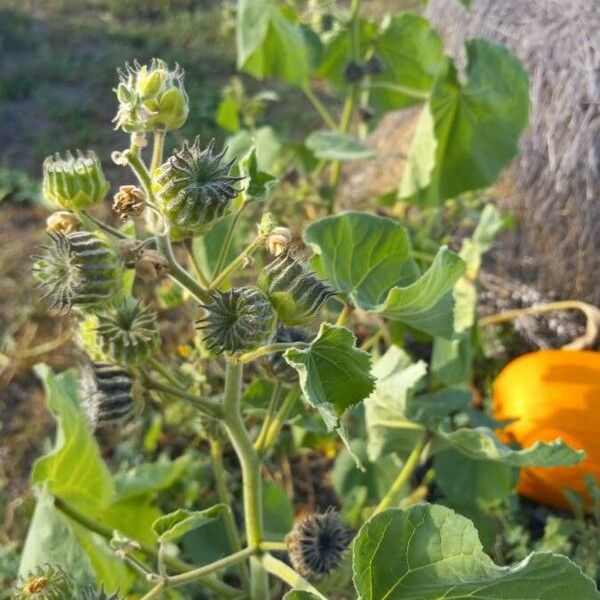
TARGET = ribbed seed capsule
(75,181)
(295,290)
(46,582)
(107,392)
(275,364)
(77,269)
(316,544)
(238,320)
(91,593)
(129,334)
(195,189)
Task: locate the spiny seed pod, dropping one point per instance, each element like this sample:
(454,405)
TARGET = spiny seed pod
(151,97)
(317,544)
(354,72)
(374,66)
(295,290)
(195,189)
(74,182)
(108,393)
(79,269)
(128,334)
(238,320)
(46,582)
(274,364)
(62,221)
(92,593)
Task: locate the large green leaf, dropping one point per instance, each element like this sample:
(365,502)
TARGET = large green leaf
(412,56)
(269,44)
(429,552)
(368,258)
(334,374)
(467,133)
(333,145)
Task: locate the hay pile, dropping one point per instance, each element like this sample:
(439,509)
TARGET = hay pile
(554,185)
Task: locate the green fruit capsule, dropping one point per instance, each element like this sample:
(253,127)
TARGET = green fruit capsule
(108,393)
(128,335)
(295,290)
(274,364)
(195,189)
(151,97)
(74,182)
(239,320)
(79,269)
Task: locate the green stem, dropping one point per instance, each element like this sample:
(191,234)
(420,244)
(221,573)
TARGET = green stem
(319,107)
(280,418)
(407,470)
(368,344)
(274,547)
(251,481)
(237,263)
(157,149)
(233,535)
(212,582)
(268,349)
(344,314)
(158,366)
(103,226)
(204,405)
(259,444)
(228,239)
(189,244)
(289,576)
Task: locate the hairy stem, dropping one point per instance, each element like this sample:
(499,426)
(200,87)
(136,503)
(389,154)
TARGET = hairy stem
(211,582)
(228,239)
(250,465)
(407,470)
(189,244)
(233,535)
(344,314)
(280,418)
(289,576)
(271,411)
(157,149)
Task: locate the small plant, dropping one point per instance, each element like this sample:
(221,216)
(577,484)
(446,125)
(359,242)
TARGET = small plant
(327,319)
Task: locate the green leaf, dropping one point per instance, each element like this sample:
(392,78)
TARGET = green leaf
(332,145)
(412,56)
(269,44)
(451,360)
(171,527)
(429,552)
(334,373)
(431,409)
(471,482)
(467,133)
(73,470)
(300,595)
(279,512)
(337,52)
(388,428)
(259,183)
(264,139)
(482,443)
(368,257)
(228,115)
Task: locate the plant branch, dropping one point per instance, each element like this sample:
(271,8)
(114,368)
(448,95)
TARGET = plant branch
(319,107)
(268,349)
(407,470)
(157,149)
(236,263)
(271,411)
(280,418)
(228,239)
(289,576)
(212,582)
(344,314)
(189,244)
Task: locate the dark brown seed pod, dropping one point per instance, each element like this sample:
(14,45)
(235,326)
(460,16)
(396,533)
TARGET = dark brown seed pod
(195,188)
(107,391)
(295,290)
(239,320)
(317,543)
(78,269)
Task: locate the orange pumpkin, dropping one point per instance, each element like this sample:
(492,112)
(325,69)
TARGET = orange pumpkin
(551,394)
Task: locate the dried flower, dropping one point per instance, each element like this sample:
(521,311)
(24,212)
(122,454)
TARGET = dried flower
(62,221)
(278,241)
(151,264)
(129,202)
(46,582)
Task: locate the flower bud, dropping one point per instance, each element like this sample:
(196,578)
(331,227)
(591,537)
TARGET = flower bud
(45,582)
(129,334)
(274,364)
(151,97)
(77,269)
(62,221)
(129,201)
(316,544)
(74,182)
(278,241)
(294,290)
(238,320)
(194,189)
(108,393)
